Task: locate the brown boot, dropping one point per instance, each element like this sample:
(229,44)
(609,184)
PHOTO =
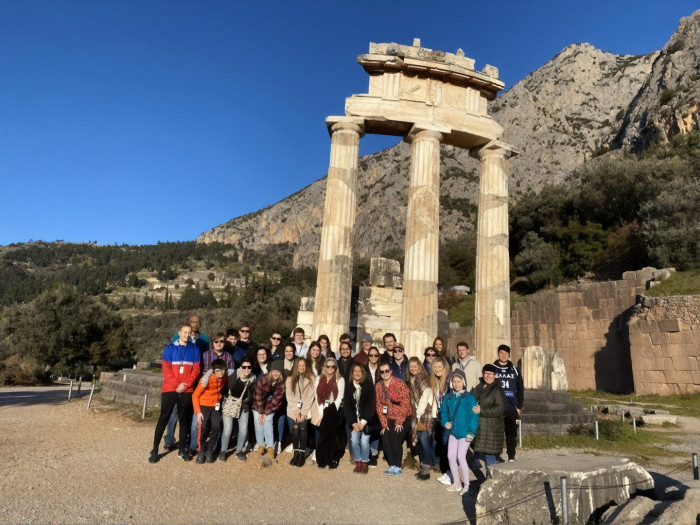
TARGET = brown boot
(364,468)
(358,467)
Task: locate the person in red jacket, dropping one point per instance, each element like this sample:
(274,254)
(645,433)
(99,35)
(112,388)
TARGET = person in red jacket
(207,406)
(180,367)
(394,411)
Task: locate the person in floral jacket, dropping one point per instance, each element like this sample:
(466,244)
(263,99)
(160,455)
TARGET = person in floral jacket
(393,409)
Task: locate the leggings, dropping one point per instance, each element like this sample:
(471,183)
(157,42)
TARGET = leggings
(392,442)
(168,401)
(457,455)
(300,434)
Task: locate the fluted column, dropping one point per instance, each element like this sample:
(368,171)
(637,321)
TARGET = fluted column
(419,316)
(334,280)
(492,308)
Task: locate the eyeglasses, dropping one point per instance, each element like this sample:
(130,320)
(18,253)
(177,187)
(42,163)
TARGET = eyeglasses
(331,366)
(219,342)
(399,350)
(387,371)
(244,331)
(246,367)
(276,338)
(430,355)
(373,355)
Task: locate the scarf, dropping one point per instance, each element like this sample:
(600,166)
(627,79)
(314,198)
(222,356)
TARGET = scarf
(325,388)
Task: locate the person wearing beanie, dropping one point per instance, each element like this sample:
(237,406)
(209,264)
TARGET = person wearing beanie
(267,399)
(491,403)
(511,382)
(459,418)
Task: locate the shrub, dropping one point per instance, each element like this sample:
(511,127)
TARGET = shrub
(13,372)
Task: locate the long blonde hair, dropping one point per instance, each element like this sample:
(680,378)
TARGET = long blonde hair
(439,384)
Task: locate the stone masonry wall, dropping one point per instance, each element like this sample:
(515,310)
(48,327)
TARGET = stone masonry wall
(587,325)
(664,337)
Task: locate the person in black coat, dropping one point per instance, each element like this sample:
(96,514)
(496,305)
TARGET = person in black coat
(359,404)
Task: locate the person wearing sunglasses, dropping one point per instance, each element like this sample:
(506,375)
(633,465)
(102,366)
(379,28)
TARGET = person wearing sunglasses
(245,341)
(217,351)
(373,357)
(275,344)
(373,364)
(429,356)
(329,391)
(399,365)
(239,389)
(394,411)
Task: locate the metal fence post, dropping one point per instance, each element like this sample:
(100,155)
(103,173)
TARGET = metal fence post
(80,384)
(145,402)
(634,424)
(92,391)
(696,475)
(597,435)
(70,390)
(520,434)
(564,502)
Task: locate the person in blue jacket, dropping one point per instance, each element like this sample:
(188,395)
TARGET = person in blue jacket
(458,418)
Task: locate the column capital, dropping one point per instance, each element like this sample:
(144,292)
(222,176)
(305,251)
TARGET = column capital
(495,148)
(426,132)
(355,124)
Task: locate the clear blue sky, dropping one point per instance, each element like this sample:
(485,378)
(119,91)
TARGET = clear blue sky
(141,121)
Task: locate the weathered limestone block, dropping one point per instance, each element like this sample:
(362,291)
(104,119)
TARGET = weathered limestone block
(543,370)
(614,479)
(630,513)
(659,419)
(385,272)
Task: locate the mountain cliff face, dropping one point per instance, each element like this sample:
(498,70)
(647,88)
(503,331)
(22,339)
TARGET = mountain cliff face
(580,104)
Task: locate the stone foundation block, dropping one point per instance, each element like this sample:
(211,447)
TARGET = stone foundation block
(659,419)
(592,481)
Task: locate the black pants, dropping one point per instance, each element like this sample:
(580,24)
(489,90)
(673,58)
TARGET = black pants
(210,428)
(392,441)
(168,400)
(300,434)
(330,448)
(511,424)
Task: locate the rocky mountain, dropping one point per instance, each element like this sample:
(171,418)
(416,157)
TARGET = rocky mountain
(579,105)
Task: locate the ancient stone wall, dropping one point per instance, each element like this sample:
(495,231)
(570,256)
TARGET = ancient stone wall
(664,335)
(587,325)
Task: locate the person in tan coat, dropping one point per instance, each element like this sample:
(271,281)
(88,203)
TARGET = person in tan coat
(300,394)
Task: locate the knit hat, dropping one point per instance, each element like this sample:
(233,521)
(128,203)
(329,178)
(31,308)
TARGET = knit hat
(277,364)
(489,368)
(458,373)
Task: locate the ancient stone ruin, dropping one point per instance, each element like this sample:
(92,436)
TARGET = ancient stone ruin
(428,98)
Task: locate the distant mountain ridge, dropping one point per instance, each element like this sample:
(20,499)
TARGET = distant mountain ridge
(577,106)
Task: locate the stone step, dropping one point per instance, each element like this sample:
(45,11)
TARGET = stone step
(122,397)
(549,408)
(131,388)
(549,396)
(558,419)
(545,429)
(141,377)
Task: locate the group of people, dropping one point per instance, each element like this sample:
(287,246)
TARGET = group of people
(453,412)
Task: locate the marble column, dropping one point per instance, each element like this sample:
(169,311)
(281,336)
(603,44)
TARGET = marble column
(492,308)
(419,314)
(334,280)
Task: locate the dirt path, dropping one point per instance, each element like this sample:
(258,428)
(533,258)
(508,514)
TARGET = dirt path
(63,464)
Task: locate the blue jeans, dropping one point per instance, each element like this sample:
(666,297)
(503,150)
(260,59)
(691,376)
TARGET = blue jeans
(194,434)
(170,433)
(360,446)
(264,434)
(282,421)
(425,448)
(489,459)
(228,430)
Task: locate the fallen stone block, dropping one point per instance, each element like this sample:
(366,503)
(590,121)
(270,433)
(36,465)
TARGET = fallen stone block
(631,512)
(659,419)
(687,510)
(529,490)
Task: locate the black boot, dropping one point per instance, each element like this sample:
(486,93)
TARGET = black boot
(211,456)
(201,457)
(295,460)
(302,458)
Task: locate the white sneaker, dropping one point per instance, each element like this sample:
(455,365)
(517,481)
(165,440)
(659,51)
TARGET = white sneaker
(313,457)
(452,488)
(445,479)
(464,491)
(289,449)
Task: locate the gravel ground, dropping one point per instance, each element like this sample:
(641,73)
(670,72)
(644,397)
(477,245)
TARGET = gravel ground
(63,464)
